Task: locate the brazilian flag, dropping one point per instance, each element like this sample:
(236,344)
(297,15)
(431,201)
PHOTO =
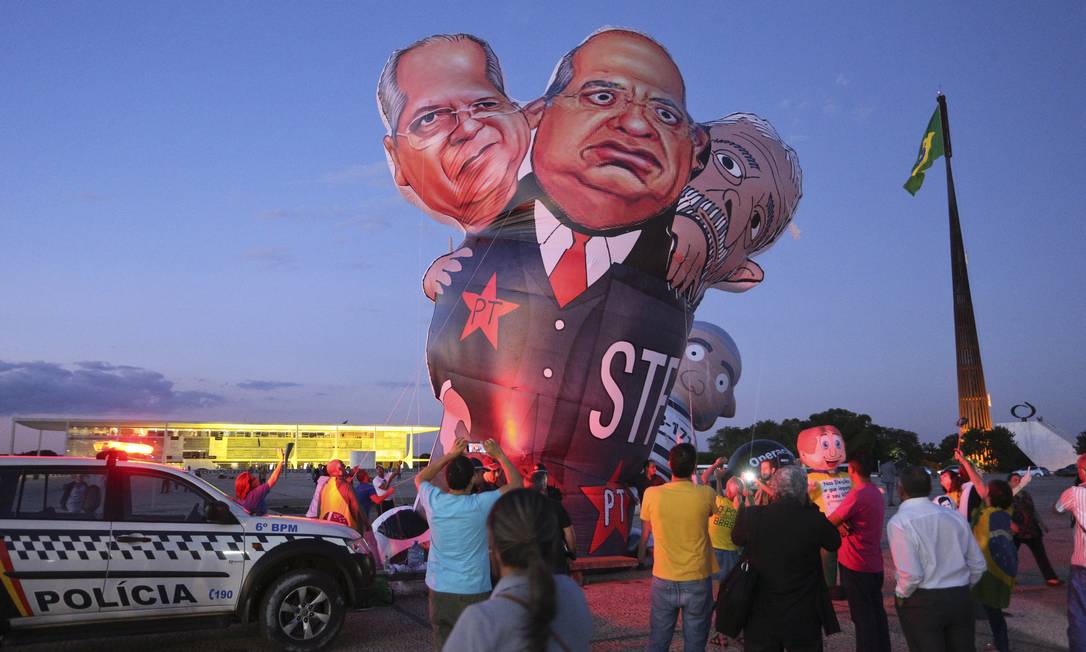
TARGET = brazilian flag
(931,148)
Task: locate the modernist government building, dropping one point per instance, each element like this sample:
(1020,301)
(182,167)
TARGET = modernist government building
(230,445)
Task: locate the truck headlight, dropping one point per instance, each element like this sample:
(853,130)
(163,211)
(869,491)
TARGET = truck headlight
(358,546)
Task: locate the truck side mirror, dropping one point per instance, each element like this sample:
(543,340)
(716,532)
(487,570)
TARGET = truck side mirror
(219,513)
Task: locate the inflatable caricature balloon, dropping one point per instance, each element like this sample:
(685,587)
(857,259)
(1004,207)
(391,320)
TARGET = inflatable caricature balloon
(822,451)
(741,203)
(704,390)
(560,322)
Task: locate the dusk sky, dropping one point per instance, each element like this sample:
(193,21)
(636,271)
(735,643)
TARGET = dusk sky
(197,221)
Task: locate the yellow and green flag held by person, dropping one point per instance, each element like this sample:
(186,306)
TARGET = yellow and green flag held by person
(931,148)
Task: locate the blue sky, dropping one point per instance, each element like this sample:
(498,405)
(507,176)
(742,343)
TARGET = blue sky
(197,192)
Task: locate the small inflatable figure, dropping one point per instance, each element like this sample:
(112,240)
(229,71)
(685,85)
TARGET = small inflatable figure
(822,451)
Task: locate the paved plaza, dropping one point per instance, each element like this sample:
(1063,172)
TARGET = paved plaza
(620,605)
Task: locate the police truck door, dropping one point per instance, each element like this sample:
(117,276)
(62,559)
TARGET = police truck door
(54,551)
(166,554)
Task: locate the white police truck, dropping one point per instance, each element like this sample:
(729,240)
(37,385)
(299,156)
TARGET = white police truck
(101,546)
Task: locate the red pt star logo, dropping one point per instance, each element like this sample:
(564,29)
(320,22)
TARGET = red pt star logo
(485,309)
(612,501)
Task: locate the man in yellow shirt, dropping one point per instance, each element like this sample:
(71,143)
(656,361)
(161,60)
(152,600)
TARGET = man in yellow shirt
(676,514)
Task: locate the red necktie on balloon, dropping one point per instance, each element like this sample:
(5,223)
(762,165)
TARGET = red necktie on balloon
(569,278)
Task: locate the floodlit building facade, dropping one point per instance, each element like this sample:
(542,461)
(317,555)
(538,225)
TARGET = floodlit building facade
(233,445)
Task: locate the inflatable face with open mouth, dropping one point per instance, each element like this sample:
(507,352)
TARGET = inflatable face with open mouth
(747,194)
(821,448)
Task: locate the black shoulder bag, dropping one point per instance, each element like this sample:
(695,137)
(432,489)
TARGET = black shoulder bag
(736,597)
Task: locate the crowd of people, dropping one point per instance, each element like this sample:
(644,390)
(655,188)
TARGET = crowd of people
(500,547)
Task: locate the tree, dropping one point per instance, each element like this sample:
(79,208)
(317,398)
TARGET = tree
(882,442)
(727,439)
(946,449)
(930,455)
(859,432)
(995,448)
(897,444)
(706,458)
(1080,443)
(857,429)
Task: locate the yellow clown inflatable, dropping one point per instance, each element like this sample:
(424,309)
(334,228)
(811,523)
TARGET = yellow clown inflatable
(822,451)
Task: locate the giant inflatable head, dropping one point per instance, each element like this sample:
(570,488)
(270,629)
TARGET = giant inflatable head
(708,374)
(821,448)
(614,144)
(455,140)
(559,329)
(749,191)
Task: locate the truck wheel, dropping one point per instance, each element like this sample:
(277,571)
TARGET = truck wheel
(302,611)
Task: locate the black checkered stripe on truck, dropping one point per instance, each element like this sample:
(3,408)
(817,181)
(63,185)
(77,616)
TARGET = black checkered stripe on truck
(67,546)
(41,545)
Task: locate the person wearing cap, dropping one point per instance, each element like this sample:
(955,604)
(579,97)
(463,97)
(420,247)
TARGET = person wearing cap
(252,494)
(477,475)
(553,492)
(364,491)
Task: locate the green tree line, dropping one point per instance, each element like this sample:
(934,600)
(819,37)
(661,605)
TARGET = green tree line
(882,442)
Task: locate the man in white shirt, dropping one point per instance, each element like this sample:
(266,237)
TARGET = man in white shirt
(383,484)
(1074,500)
(937,560)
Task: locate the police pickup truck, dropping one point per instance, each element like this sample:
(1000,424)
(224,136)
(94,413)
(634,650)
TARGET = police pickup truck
(111,545)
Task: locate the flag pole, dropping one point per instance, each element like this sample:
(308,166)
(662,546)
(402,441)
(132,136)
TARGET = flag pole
(973,405)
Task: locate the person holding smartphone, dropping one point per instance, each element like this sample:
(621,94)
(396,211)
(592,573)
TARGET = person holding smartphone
(458,567)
